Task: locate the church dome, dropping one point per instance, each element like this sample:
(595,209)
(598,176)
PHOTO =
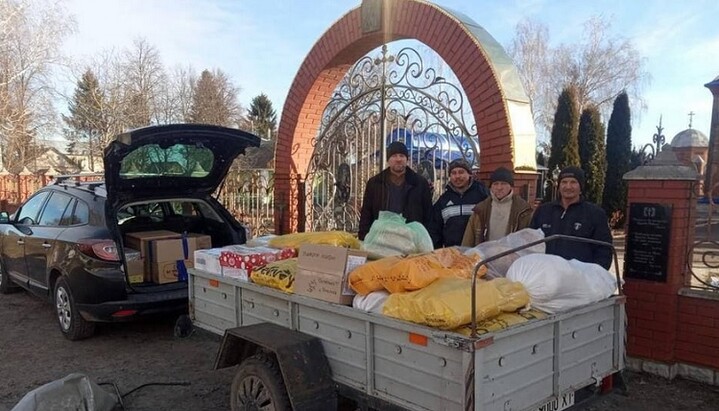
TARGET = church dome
(690,138)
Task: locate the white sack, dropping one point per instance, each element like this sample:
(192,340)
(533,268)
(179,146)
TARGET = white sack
(372,302)
(499,267)
(556,285)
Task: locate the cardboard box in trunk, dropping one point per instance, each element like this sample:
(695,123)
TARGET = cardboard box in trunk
(168,271)
(172,249)
(323,271)
(202,241)
(141,240)
(136,271)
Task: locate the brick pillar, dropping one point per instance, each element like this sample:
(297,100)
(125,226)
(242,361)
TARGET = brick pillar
(712,170)
(652,307)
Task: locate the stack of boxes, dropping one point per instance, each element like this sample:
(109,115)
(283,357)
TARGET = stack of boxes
(164,256)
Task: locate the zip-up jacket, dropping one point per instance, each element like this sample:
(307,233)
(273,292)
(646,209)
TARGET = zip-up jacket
(478,227)
(451,212)
(582,219)
(417,202)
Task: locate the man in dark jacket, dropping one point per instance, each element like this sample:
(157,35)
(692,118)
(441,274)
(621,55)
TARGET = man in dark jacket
(452,210)
(572,215)
(398,189)
(502,213)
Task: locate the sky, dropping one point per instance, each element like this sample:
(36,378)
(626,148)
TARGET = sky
(261,44)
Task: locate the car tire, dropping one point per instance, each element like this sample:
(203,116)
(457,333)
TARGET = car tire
(72,325)
(258,384)
(6,284)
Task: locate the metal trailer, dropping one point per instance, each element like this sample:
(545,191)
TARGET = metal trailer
(296,352)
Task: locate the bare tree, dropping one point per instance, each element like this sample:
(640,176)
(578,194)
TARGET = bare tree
(175,95)
(599,65)
(144,76)
(215,100)
(31,33)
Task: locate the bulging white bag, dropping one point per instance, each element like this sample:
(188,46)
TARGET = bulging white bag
(499,267)
(556,285)
(372,302)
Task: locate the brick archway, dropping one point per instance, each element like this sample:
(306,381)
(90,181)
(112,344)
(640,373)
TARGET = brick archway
(499,104)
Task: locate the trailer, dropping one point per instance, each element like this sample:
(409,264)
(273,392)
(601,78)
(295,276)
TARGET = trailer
(299,353)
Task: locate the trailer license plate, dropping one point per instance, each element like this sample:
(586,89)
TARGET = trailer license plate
(558,404)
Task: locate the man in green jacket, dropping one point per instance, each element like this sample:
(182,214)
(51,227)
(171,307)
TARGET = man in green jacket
(503,212)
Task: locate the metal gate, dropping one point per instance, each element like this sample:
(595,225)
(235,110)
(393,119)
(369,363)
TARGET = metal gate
(383,99)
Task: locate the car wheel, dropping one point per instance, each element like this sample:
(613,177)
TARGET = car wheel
(72,325)
(6,285)
(258,385)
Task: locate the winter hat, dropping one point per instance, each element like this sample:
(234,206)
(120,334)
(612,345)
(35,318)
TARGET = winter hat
(397,147)
(573,172)
(502,174)
(459,163)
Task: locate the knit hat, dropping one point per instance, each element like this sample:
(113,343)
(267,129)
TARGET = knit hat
(459,163)
(397,147)
(502,174)
(573,172)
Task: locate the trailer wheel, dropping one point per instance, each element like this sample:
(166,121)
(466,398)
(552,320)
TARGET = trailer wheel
(258,385)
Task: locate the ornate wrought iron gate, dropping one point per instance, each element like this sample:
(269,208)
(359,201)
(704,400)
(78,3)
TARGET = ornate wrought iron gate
(383,99)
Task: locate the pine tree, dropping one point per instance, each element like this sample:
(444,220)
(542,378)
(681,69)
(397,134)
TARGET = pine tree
(86,121)
(592,153)
(619,150)
(565,148)
(263,117)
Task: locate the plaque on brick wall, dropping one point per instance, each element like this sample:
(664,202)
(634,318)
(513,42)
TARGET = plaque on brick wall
(647,242)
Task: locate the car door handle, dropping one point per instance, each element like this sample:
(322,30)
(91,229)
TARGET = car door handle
(20,242)
(46,245)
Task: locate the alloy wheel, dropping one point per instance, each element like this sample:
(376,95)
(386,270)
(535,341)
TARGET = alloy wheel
(62,303)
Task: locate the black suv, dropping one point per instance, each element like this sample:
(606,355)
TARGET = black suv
(65,242)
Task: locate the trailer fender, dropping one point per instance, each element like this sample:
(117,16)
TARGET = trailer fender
(301,359)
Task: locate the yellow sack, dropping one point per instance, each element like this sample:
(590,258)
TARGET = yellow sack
(502,321)
(419,271)
(447,302)
(364,279)
(335,238)
(279,275)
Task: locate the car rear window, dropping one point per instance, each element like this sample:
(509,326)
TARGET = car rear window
(179,160)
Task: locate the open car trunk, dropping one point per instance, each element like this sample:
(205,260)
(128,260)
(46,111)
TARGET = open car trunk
(159,237)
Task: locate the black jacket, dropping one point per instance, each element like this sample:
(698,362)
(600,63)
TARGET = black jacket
(417,205)
(582,219)
(451,212)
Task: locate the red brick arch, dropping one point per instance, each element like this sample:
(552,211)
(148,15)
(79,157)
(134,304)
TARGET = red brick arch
(483,69)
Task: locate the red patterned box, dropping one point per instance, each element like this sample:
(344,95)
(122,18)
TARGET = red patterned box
(241,256)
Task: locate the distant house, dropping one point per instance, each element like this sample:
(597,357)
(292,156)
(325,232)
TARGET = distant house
(54,155)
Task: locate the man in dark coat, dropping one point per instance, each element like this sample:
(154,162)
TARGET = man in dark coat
(452,210)
(398,189)
(571,215)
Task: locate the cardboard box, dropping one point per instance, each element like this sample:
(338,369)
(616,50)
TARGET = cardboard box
(239,273)
(171,249)
(140,241)
(208,260)
(247,258)
(136,271)
(167,271)
(201,240)
(323,271)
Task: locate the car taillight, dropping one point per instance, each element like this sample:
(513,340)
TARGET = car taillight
(101,249)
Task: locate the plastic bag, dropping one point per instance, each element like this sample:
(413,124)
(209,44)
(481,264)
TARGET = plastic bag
(335,238)
(447,302)
(263,241)
(499,267)
(73,392)
(556,285)
(418,271)
(279,275)
(502,321)
(390,235)
(372,302)
(364,279)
